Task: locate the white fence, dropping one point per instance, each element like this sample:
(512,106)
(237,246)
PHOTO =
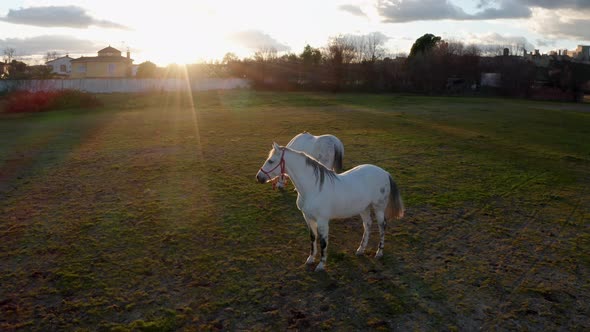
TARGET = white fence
(98,85)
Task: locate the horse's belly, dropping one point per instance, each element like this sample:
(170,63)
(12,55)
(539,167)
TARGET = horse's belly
(343,208)
(349,210)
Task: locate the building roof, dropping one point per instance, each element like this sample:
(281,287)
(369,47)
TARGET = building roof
(109,49)
(102,59)
(63,57)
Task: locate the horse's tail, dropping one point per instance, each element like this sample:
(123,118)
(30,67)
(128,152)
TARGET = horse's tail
(338,154)
(395,206)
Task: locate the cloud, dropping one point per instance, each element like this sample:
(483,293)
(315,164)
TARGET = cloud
(546,43)
(40,45)
(562,25)
(498,40)
(354,10)
(557,4)
(257,40)
(575,29)
(57,16)
(506,10)
(398,11)
(484,3)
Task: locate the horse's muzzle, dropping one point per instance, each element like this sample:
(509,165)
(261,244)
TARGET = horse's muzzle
(261,178)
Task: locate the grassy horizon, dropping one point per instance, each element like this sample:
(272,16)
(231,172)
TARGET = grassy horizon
(145,215)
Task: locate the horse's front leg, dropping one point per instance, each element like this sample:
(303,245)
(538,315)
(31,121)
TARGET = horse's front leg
(323,230)
(313,232)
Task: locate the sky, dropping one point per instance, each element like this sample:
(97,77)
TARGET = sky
(180,31)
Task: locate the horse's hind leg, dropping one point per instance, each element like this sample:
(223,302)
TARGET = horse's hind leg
(367,221)
(380,215)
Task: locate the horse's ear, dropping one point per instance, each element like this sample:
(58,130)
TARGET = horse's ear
(275,146)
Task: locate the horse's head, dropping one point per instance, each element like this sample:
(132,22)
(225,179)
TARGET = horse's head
(273,166)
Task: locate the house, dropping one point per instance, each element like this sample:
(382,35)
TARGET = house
(108,64)
(61,66)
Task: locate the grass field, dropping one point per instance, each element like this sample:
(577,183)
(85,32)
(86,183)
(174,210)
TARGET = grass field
(145,215)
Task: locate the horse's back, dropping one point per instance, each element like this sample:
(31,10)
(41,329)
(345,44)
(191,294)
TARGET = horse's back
(366,170)
(323,148)
(367,177)
(302,142)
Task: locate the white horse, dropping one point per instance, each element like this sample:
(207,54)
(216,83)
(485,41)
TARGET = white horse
(327,149)
(325,195)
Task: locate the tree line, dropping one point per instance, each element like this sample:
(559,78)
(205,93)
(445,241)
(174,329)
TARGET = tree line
(433,66)
(362,64)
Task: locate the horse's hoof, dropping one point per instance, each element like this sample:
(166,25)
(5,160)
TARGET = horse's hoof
(360,252)
(310,260)
(379,254)
(320,268)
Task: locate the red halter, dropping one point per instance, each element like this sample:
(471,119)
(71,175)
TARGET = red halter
(281,165)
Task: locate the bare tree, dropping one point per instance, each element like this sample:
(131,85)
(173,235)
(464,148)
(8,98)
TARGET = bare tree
(455,47)
(359,44)
(266,54)
(9,53)
(341,50)
(472,50)
(374,46)
(518,49)
(364,48)
(51,56)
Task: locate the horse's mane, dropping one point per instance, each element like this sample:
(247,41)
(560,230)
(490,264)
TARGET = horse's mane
(319,170)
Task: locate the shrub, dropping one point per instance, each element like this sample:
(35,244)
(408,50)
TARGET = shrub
(41,101)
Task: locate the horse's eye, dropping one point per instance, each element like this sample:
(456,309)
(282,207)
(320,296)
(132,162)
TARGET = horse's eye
(270,161)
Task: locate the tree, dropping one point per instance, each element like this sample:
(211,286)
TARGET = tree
(266,54)
(340,53)
(374,46)
(51,56)
(311,59)
(39,72)
(18,70)
(229,58)
(571,76)
(147,69)
(424,44)
(341,50)
(311,56)
(9,53)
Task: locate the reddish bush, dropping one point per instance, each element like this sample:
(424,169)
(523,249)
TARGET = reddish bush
(41,101)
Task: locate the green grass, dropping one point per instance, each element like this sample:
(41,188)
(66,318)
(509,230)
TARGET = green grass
(144,215)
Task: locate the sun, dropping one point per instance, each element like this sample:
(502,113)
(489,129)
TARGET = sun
(184,34)
(180,51)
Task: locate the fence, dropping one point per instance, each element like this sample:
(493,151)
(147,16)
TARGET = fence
(98,85)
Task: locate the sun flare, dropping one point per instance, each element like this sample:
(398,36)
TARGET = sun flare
(185,33)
